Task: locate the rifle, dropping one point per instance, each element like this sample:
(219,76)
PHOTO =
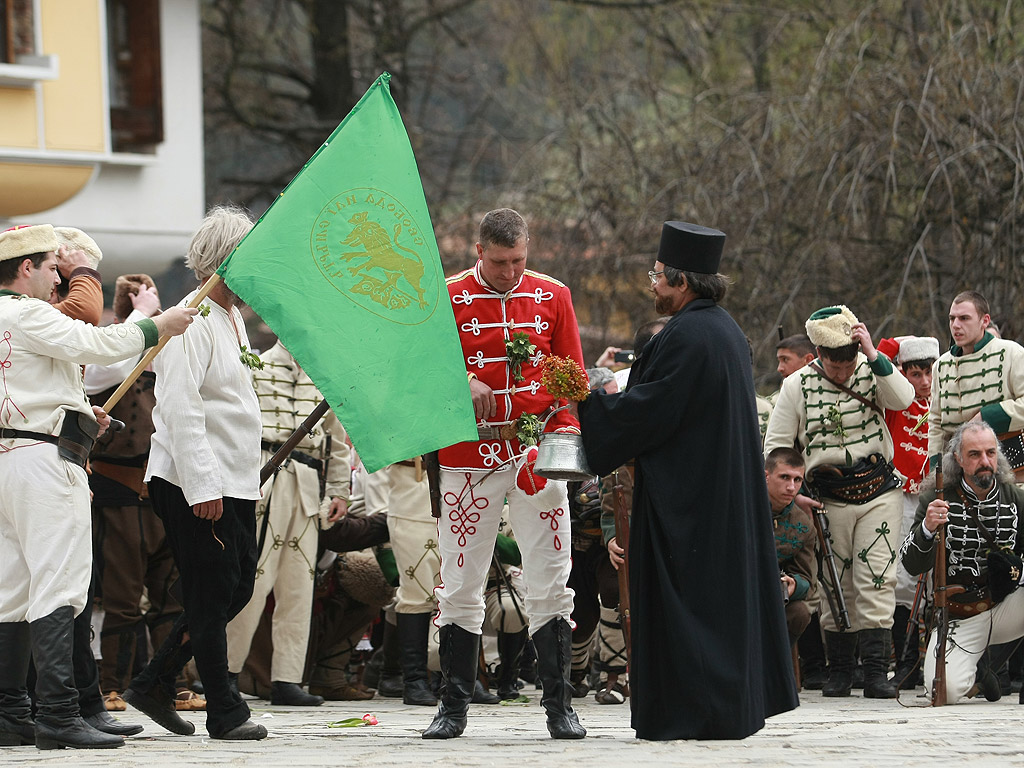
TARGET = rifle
(622,538)
(941,607)
(296,437)
(282,453)
(834,595)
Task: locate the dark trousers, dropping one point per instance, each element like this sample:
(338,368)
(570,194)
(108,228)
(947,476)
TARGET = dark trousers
(132,555)
(217,565)
(594,581)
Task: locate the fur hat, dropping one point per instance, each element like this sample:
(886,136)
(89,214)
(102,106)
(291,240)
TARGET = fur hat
(831,327)
(361,577)
(76,239)
(125,287)
(918,348)
(22,241)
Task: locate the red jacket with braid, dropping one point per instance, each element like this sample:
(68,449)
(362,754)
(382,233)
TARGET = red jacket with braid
(539,306)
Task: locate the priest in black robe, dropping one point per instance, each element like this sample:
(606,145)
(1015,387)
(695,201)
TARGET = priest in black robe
(710,654)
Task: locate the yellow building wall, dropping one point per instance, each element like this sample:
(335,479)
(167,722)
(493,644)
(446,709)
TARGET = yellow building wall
(27,188)
(18,126)
(73,104)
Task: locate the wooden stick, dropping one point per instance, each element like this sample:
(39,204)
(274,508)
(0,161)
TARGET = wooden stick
(941,609)
(204,291)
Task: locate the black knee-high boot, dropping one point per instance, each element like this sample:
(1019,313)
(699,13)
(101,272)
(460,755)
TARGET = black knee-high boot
(58,722)
(875,651)
(510,650)
(16,725)
(459,654)
(413,633)
(554,659)
(840,648)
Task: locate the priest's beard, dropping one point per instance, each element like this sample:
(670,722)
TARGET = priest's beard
(664,305)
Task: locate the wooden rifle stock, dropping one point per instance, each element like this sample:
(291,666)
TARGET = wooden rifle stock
(622,539)
(941,606)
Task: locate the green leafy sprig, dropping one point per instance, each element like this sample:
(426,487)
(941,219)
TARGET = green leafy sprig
(528,429)
(519,350)
(204,310)
(834,420)
(250,359)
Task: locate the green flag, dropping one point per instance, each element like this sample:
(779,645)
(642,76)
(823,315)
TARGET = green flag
(344,268)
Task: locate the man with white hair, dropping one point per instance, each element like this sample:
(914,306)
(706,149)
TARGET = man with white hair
(832,410)
(983,511)
(47,428)
(203,477)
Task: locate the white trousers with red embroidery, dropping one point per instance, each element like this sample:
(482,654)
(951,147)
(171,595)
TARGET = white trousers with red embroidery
(465,534)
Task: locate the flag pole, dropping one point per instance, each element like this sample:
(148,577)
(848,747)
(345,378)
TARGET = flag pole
(204,290)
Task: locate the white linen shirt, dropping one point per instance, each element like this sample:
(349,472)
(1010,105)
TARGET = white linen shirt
(41,352)
(207,415)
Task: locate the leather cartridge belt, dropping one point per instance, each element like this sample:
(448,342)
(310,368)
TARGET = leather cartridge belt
(502,432)
(299,456)
(860,483)
(70,449)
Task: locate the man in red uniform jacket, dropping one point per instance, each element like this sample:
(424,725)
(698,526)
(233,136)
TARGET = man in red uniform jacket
(500,305)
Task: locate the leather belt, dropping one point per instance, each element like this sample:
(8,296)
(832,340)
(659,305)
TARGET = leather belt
(503,432)
(299,456)
(79,453)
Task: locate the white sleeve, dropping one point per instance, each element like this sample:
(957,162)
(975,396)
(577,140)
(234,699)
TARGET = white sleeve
(180,371)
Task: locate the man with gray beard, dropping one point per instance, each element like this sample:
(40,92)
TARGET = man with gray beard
(982,512)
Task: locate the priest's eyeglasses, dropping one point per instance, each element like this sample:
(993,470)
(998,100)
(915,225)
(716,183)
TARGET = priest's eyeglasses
(654,276)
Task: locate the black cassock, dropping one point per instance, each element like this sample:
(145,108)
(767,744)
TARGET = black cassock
(711,658)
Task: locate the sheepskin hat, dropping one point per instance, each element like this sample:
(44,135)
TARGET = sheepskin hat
(76,239)
(831,327)
(918,348)
(125,287)
(22,241)
(361,577)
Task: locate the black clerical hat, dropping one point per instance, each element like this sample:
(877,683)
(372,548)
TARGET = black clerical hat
(691,247)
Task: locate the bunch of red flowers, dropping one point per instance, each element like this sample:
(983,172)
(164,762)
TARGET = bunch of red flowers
(564,378)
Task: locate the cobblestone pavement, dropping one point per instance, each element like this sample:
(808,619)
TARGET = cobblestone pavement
(821,732)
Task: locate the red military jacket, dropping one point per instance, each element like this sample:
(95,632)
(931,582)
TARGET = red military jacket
(539,306)
(909,430)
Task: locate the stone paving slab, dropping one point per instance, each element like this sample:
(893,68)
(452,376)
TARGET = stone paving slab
(821,732)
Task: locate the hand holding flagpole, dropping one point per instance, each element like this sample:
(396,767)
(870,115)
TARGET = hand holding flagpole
(147,358)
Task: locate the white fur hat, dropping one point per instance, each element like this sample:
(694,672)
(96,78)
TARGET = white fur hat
(24,241)
(76,239)
(831,327)
(918,348)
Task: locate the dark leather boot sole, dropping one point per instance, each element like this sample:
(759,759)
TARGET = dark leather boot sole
(247,731)
(445,727)
(565,727)
(79,736)
(158,713)
(106,724)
